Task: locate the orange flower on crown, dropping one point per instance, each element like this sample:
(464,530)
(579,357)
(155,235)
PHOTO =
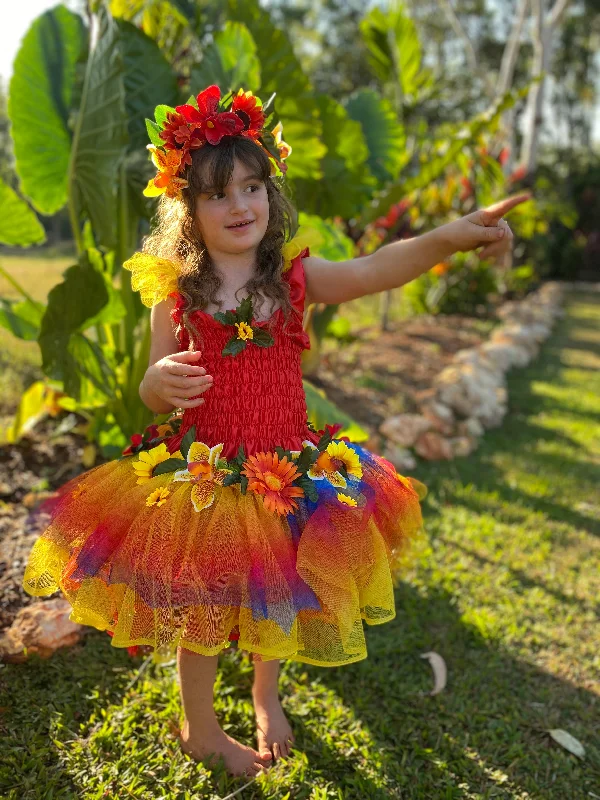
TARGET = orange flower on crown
(166,180)
(272,477)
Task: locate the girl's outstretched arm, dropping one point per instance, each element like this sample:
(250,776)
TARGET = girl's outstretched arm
(399,262)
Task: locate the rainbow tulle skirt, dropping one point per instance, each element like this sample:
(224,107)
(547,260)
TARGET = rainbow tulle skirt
(167,563)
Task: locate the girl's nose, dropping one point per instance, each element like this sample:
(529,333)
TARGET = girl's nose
(239,202)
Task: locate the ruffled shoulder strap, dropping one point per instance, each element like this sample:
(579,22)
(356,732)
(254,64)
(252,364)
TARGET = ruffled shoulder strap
(305,237)
(297,282)
(153,277)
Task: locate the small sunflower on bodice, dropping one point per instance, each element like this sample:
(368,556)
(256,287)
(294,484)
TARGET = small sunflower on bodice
(246,332)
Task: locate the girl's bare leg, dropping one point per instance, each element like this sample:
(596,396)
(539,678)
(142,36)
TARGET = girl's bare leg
(201,733)
(273,731)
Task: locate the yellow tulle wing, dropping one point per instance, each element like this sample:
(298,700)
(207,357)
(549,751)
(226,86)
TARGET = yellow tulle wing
(153,277)
(305,237)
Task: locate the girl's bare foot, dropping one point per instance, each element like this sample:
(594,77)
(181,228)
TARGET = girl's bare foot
(273,731)
(213,743)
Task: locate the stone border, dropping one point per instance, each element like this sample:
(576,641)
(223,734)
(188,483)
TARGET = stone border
(470,395)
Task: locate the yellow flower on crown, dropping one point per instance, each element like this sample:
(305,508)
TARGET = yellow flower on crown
(149,459)
(284,148)
(244,331)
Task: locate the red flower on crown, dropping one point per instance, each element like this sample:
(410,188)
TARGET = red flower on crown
(247,108)
(207,118)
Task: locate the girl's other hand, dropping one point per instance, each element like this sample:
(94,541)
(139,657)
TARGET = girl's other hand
(485,227)
(178,379)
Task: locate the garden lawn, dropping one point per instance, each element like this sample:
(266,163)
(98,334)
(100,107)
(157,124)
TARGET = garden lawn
(506,589)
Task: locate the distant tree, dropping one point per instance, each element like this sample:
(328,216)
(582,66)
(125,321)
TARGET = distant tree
(326,39)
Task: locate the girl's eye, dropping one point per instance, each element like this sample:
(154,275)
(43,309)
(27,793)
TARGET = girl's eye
(254,186)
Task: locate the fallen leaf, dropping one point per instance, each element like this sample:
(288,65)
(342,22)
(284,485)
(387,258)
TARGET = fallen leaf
(440,673)
(567,741)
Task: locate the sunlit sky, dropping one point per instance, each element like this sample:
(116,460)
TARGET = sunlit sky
(22,13)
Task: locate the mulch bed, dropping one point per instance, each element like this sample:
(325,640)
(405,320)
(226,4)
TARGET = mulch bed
(382,374)
(372,378)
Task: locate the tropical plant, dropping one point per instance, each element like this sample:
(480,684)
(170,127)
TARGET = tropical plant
(351,160)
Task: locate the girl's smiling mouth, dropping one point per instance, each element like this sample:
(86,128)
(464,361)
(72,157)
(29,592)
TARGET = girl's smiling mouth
(240,225)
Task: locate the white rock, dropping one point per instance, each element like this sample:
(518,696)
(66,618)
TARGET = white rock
(404,429)
(463,445)
(432,446)
(470,427)
(400,457)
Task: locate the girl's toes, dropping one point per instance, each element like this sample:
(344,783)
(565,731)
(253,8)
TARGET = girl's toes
(277,750)
(266,756)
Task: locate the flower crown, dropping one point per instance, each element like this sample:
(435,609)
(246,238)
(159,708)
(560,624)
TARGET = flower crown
(206,120)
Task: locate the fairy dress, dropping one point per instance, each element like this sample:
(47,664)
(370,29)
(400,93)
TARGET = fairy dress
(288,565)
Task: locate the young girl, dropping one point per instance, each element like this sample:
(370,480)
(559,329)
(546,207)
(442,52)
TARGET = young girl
(237,520)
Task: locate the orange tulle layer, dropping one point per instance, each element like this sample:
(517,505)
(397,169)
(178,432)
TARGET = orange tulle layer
(296,586)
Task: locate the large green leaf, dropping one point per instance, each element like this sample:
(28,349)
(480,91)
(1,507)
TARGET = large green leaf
(39,105)
(394,51)
(67,354)
(385,136)
(100,134)
(281,72)
(347,182)
(335,245)
(22,318)
(322,411)
(230,61)
(18,224)
(148,80)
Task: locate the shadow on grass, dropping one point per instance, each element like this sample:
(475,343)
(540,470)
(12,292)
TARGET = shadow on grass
(484,736)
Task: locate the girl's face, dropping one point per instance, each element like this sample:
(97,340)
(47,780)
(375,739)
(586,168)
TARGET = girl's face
(219,214)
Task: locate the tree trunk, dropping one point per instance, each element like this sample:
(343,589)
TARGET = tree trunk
(543,32)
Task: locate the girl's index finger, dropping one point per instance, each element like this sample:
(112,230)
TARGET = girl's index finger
(498,210)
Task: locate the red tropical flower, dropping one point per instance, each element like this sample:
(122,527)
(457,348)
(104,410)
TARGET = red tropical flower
(246,106)
(207,118)
(518,174)
(136,440)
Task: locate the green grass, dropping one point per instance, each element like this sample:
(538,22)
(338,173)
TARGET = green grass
(506,589)
(20,361)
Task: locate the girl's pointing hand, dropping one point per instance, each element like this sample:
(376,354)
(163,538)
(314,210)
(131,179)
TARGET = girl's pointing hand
(485,227)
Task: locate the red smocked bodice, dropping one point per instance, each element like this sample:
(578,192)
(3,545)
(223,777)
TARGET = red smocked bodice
(257,398)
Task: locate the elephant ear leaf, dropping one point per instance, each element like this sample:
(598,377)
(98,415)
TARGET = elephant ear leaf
(100,137)
(41,91)
(18,224)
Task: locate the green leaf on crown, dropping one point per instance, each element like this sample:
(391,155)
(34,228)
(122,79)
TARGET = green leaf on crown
(160,114)
(153,133)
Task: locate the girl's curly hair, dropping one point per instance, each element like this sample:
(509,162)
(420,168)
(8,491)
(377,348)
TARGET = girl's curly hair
(176,237)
